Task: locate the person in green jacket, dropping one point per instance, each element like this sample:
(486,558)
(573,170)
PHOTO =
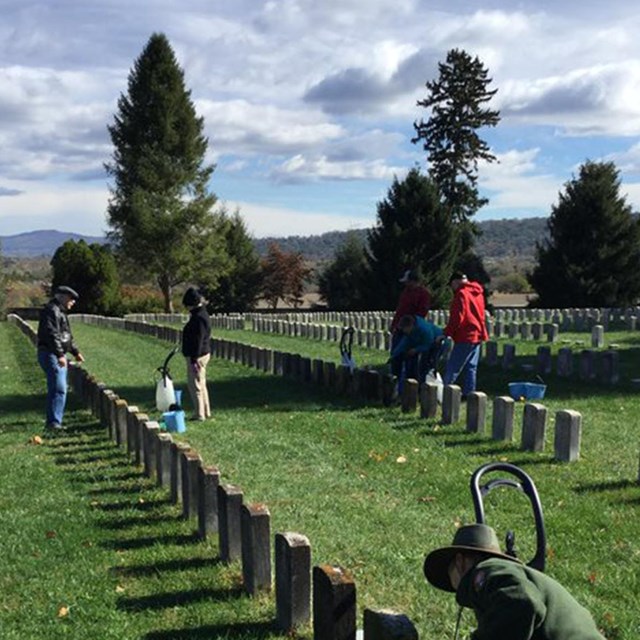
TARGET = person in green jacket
(511,600)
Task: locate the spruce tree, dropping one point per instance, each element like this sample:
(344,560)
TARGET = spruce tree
(342,281)
(239,288)
(457,100)
(413,231)
(160,207)
(591,257)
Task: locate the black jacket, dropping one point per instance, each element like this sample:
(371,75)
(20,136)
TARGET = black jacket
(196,334)
(54,332)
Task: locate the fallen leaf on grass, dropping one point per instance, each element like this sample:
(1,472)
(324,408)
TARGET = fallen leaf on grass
(120,589)
(63,612)
(35,440)
(401,459)
(427,499)
(592,577)
(50,534)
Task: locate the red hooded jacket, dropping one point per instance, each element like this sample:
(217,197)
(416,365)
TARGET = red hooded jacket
(466,315)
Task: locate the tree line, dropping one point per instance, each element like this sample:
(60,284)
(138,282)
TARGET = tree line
(165,224)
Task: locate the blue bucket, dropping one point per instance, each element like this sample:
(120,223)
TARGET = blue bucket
(174,421)
(527,390)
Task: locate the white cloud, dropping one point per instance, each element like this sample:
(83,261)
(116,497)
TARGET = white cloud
(55,206)
(517,183)
(308,168)
(296,90)
(240,126)
(264,221)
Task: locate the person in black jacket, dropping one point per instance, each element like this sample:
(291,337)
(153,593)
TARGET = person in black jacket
(196,348)
(54,341)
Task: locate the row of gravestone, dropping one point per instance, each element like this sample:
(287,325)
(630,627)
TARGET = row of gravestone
(592,365)
(502,322)
(324,593)
(567,427)
(371,386)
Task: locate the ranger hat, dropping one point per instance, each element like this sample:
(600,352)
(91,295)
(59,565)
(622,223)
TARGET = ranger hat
(474,538)
(67,291)
(191,297)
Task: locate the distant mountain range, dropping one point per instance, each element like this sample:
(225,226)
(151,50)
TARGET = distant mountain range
(500,239)
(40,243)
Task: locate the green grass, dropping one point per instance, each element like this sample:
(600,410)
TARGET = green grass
(372,489)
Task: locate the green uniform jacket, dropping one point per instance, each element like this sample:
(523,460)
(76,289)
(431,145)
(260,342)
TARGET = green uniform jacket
(514,602)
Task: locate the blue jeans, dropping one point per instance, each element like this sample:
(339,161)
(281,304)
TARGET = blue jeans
(56,385)
(464,358)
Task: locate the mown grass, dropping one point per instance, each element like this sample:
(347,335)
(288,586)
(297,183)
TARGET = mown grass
(372,489)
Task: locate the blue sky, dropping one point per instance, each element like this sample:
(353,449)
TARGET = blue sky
(309,105)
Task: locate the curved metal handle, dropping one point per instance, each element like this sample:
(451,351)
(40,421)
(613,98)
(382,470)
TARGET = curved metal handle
(524,484)
(346,341)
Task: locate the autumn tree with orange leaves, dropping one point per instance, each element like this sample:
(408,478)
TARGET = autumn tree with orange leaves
(283,276)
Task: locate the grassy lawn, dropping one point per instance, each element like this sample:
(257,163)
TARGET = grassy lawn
(373,490)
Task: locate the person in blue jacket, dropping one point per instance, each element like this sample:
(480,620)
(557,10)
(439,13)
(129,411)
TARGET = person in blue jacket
(420,338)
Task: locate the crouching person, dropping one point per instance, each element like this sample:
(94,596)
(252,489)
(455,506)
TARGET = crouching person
(511,600)
(420,338)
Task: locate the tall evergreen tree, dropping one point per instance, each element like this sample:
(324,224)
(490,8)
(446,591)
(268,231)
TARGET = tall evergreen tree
(160,210)
(342,281)
(239,288)
(457,99)
(413,230)
(592,255)
(91,270)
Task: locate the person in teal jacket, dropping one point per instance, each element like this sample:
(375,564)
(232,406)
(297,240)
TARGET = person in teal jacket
(511,600)
(420,337)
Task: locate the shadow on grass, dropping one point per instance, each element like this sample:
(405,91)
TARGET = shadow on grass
(255,631)
(158,568)
(138,522)
(596,487)
(177,599)
(146,520)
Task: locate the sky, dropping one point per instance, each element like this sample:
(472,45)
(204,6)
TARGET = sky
(309,105)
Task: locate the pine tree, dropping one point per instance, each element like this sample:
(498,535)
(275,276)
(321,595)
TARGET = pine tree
(160,206)
(450,137)
(591,257)
(240,287)
(413,231)
(342,281)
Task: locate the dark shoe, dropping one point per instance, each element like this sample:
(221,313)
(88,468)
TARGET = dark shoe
(198,418)
(54,426)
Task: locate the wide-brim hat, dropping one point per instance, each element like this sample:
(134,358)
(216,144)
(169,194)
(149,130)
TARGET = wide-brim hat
(67,291)
(474,538)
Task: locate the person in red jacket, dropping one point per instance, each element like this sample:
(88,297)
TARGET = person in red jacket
(415,300)
(467,329)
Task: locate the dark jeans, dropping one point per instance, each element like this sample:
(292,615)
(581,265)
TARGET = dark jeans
(56,385)
(415,366)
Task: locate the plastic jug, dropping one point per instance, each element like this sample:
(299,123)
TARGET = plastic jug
(165,394)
